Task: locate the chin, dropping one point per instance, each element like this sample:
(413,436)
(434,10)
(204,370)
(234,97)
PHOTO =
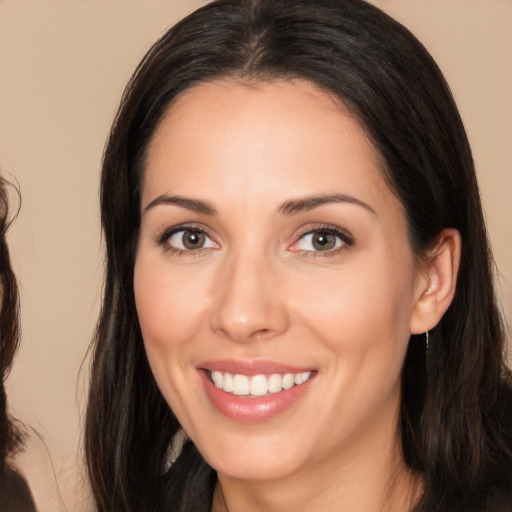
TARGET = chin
(259,459)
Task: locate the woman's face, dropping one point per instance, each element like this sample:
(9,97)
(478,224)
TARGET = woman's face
(273,259)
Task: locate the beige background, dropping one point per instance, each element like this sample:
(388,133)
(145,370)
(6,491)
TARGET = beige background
(63,66)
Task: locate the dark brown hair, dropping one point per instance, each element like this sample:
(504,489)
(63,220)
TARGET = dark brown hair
(456,406)
(9,329)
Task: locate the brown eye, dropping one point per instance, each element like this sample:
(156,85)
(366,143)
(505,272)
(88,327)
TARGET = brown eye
(323,241)
(190,240)
(193,239)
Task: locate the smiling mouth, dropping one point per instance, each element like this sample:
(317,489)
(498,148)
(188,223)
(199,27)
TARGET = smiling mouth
(257,385)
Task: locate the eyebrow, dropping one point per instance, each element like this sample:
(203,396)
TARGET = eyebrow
(307,203)
(291,207)
(195,205)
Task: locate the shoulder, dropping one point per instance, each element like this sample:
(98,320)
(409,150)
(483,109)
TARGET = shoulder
(15,495)
(33,464)
(500,435)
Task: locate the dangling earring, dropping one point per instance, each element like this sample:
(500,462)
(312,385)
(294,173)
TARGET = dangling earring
(426,342)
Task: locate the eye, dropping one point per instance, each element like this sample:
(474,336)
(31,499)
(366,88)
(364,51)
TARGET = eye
(190,240)
(322,240)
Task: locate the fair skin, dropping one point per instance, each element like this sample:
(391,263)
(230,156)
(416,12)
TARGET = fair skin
(270,243)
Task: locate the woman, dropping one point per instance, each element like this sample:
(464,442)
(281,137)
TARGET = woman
(14,492)
(27,476)
(298,276)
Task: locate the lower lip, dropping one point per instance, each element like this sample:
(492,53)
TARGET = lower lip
(251,409)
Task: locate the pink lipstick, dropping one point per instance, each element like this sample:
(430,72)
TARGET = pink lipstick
(255,391)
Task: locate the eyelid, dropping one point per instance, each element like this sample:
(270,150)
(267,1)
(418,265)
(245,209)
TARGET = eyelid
(163,236)
(346,238)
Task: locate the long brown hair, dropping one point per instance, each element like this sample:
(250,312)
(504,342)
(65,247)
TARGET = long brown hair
(456,407)
(9,327)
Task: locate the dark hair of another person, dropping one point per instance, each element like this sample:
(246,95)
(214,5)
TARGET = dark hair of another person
(456,403)
(10,436)
(15,495)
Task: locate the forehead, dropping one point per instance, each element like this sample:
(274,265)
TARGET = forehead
(276,138)
(221,101)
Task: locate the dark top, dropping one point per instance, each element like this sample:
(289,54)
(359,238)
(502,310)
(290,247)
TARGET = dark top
(14,493)
(190,483)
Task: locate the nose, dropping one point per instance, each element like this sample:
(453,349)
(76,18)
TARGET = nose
(249,304)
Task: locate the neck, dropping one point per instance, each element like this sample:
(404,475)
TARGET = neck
(396,493)
(371,476)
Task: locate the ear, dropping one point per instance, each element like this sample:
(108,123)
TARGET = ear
(436,283)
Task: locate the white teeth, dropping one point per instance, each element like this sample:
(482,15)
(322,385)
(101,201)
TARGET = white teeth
(275,383)
(240,385)
(257,385)
(217,378)
(302,377)
(227,384)
(288,380)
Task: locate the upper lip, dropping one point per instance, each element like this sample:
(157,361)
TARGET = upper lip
(251,368)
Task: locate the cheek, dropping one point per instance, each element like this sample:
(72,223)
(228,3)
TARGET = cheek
(169,306)
(361,313)
(170,316)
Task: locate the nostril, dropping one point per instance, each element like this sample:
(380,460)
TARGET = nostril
(262,333)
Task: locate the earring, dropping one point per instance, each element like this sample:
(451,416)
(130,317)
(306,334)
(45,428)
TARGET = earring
(426,342)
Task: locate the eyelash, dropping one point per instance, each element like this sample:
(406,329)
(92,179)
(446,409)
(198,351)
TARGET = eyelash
(346,239)
(163,239)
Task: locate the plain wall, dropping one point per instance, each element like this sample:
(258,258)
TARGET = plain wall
(63,66)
